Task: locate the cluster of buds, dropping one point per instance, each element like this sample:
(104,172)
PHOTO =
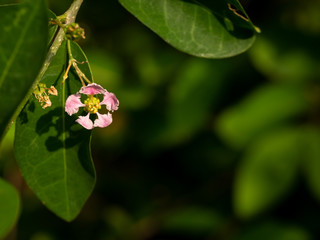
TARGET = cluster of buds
(74,31)
(42,96)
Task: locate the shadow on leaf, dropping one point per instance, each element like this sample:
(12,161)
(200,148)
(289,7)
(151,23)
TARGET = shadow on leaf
(65,133)
(29,107)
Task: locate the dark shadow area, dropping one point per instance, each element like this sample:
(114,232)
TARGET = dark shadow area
(48,120)
(29,107)
(67,134)
(68,127)
(185,189)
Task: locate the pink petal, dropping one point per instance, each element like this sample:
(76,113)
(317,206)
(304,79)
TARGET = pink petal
(111,101)
(103,120)
(73,103)
(92,89)
(85,121)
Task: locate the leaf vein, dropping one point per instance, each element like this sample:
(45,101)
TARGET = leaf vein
(64,149)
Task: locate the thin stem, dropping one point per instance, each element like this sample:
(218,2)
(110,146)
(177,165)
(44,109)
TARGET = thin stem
(80,74)
(65,76)
(70,62)
(69,51)
(70,15)
(75,65)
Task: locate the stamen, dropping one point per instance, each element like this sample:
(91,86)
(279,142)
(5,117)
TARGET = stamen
(92,104)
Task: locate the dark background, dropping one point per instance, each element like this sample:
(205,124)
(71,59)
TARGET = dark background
(165,168)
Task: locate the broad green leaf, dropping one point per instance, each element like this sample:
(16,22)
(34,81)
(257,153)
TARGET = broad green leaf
(311,156)
(24,30)
(267,172)
(192,28)
(262,110)
(52,150)
(9,207)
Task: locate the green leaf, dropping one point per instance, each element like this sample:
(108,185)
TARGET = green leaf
(52,150)
(192,28)
(267,172)
(262,110)
(311,155)
(23,44)
(9,207)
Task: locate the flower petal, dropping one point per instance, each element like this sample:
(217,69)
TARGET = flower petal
(85,121)
(111,101)
(92,89)
(53,91)
(73,103)
(47,102)
(103,120)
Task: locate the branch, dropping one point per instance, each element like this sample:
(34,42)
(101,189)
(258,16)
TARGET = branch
(70,16)
(72,12)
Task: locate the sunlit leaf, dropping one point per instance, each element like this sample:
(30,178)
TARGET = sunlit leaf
(213,32)
(23,41)
(265,108)
(9,207)
(52,150)
(267,172)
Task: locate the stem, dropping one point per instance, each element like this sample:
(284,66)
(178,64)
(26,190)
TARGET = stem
(69,51)
(74,64)
(72,12)
(70,15)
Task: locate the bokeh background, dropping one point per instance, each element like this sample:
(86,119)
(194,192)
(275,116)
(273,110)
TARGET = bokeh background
(223,149)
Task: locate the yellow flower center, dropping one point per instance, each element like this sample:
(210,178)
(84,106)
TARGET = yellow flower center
(92,104)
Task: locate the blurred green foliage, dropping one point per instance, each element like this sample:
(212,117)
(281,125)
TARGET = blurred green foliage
(199,149)
(9,207)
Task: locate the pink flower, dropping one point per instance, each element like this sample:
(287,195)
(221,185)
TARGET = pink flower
(92,105)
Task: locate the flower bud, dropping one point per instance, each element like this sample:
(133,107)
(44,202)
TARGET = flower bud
(74,31)
(53,91)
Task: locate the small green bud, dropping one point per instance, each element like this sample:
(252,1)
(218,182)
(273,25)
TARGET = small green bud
(74,32)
